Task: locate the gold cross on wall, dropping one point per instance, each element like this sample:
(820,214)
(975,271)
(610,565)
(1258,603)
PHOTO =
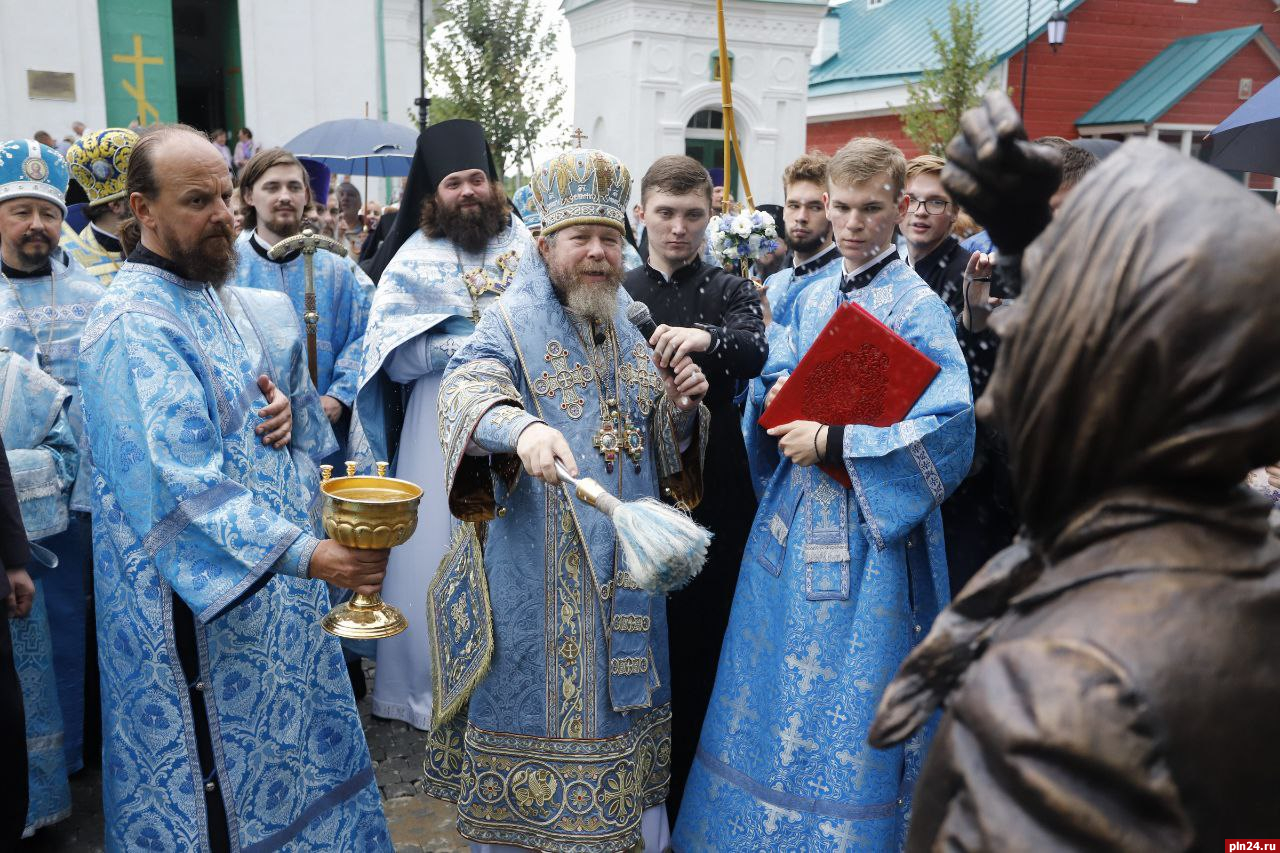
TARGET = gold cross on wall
(138,89)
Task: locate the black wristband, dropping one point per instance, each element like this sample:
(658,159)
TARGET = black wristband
(835,445)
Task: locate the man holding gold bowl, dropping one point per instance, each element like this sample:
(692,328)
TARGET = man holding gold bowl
(228,719)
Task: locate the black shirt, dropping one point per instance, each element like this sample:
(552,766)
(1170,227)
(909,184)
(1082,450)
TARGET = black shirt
(725,305)
(44,269)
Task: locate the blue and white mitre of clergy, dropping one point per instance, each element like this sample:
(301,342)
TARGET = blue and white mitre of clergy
(527,208)
(582,187)
(31,170)
(99,161)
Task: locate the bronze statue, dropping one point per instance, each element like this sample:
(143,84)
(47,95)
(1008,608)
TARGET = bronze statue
(1112,681)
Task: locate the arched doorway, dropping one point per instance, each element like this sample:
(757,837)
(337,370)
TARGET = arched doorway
(704,142)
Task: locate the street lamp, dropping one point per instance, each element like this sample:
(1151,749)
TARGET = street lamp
(422,102)
(1057,28)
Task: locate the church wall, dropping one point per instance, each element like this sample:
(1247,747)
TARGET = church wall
(69,42)
(643,68)
(310,61)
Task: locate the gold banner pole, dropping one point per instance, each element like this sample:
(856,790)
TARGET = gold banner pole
(726,99)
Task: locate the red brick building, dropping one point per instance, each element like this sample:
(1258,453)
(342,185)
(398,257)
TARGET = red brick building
(1172,69)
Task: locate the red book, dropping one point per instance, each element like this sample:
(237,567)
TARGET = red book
(858,371)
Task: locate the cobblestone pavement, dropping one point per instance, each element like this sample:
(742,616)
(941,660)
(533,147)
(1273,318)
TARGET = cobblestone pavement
(418,823)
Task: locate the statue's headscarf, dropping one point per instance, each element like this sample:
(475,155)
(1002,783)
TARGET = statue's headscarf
(1136,386)
(1144,351)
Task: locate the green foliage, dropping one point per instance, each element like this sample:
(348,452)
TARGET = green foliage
(953,85)
(493,61)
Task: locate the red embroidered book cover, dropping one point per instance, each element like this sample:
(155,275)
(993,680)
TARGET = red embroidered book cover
(858,371)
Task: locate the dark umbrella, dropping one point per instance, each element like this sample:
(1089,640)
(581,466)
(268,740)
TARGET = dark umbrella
(1249,140)
(358,146)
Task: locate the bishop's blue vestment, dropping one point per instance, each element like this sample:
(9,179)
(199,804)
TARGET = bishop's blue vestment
(192,514)
(566,740)
(836,587)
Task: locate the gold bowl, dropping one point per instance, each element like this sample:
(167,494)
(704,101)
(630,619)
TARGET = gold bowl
(367,512)
(370,512)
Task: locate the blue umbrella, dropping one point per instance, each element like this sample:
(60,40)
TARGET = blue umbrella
(359,146)
(1249,140)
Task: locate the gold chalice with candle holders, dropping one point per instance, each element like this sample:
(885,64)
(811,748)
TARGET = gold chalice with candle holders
(367,512)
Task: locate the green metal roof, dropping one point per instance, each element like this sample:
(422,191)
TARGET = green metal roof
(891,43)
(1169,77)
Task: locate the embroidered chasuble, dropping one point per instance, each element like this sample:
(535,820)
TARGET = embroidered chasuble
(551,663)
(194,517)
(836,587)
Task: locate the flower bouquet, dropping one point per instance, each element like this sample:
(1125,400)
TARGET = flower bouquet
(740,238)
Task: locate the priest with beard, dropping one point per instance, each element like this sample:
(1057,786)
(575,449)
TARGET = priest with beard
(452,252)
(274,190)
(713,317)
(228,720)
(553,661)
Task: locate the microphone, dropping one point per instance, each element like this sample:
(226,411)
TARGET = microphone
(638,314)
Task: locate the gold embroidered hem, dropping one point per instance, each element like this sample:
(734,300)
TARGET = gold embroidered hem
(554,794)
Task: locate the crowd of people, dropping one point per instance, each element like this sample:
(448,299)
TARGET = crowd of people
(1059,574)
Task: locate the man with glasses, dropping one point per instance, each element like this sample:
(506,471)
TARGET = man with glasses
(932,251)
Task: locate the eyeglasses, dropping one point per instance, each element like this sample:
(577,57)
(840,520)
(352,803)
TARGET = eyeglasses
(932,206)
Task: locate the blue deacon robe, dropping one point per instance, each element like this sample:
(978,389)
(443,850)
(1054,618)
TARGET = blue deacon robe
(58,306)
(188,502)
(267,326)
(836,588)
(42,456)
(783,290)
(567,739)
(343,295)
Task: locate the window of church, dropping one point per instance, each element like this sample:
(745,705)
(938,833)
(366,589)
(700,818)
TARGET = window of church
(715,66)
(707,119)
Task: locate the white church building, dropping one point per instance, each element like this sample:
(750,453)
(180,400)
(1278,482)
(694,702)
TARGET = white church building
(646,81)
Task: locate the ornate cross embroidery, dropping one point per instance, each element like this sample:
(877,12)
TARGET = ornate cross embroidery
(564,379)
(647,384)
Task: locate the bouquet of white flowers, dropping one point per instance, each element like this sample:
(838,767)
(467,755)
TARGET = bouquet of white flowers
(743,237)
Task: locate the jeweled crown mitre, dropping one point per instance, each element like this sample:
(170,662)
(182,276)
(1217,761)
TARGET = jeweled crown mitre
(582,187)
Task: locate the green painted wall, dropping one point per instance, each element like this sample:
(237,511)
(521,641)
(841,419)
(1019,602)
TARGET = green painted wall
(137,61)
